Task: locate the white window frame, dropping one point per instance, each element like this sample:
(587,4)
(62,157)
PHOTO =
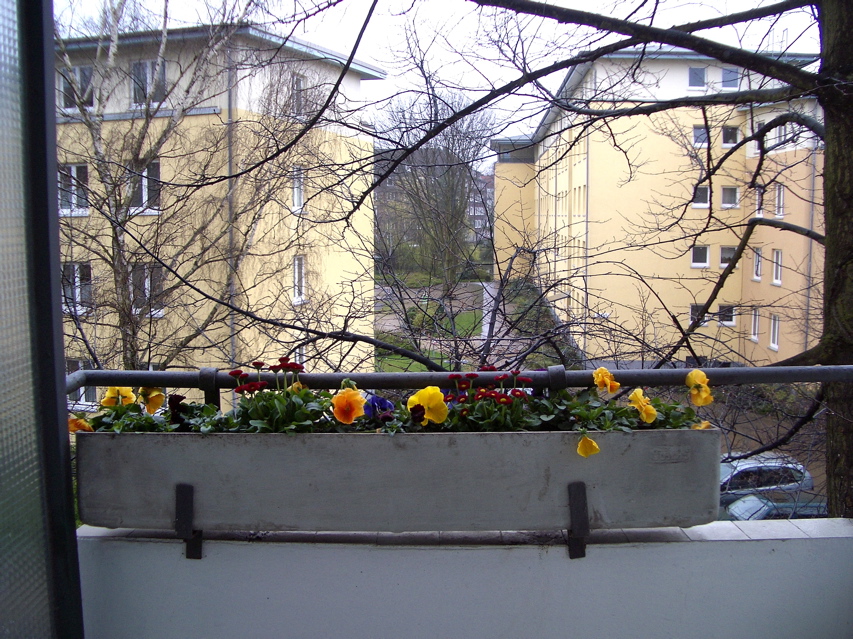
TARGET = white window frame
(300,294)
(728,145)
(298,195)
(701,136)
(692,314)
(758,125)
(697,264)
(777,267)
(149,67)
(756,264)
(695,86)
(760,192)
(755,326)
(155,307)
(73,181)
(700,202)
(727,249)
(775,325)
(299,354)
(726,83)
(779,200)
(147,197)
(728,190)
(77,288)
(67,90)
(85,398)
(731,313)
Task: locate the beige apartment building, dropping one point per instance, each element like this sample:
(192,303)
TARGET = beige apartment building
(211,201)
(629,223)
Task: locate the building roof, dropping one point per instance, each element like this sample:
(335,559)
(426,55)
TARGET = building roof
(576,74)
(312,51)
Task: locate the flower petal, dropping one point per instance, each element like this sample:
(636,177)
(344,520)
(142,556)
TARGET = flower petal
(587,447)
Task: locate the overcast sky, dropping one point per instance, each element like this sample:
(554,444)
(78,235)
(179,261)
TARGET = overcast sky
(454,31)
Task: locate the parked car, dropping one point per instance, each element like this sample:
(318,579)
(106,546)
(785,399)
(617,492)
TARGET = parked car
(783,506)
(767,472)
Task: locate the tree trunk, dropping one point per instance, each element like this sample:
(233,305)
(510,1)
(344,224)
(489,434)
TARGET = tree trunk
(836,97)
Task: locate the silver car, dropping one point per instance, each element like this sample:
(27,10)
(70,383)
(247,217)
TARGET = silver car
(803,506)
(766,472)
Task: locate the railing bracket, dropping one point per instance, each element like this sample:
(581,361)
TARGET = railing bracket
(184,497)
(579,513)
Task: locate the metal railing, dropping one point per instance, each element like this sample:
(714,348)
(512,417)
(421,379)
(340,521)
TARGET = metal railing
(211,381)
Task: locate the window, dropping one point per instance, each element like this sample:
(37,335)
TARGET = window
(82,78)
(780,135)
(756,324)
(146,195)
(143,81)
(700,135)
(299,354)
(726,315)
(298,189)
(759,201)
(777,267)
(756,264)
(297,96)
(779,206)
(73,186)
(699,257)
(730,197)
(696,78)
(774,332)
(76,287)
(147,289)
(87,394)
(702,197)
(695,309)
(727,254)
(299,279)
(756,147)
(731,78)
(731,135)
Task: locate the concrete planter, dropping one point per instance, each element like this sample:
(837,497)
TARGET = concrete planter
(405,482)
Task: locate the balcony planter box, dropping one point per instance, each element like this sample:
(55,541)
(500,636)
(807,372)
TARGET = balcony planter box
(405,482)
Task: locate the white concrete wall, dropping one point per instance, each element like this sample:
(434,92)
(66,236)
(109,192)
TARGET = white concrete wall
(755,579)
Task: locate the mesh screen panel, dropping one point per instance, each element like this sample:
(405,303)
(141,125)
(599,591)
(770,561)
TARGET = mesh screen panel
(25,607)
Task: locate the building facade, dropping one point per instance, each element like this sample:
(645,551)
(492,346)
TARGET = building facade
(646,224)
(211,201)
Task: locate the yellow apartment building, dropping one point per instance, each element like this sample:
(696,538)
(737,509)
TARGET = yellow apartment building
(629,223)
(211,201)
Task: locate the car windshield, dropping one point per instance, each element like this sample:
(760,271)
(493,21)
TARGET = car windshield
(726,469)
(747,508)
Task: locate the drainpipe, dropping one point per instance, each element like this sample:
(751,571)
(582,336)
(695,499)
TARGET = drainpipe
(232,262)
(586,241)
(812,194)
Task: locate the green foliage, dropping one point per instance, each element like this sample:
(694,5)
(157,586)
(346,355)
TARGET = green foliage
(284,411)
(502,406)
(127,417)
(432,319)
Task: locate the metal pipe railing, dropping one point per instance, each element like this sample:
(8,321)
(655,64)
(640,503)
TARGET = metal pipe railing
(211,381)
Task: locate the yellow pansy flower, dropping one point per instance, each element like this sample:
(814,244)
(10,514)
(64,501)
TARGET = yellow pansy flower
(705,425)
(118,394)
(587,447)
(700,392)
(152,398)
(76,424)
(603,378)
(647,412)
(432,399)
